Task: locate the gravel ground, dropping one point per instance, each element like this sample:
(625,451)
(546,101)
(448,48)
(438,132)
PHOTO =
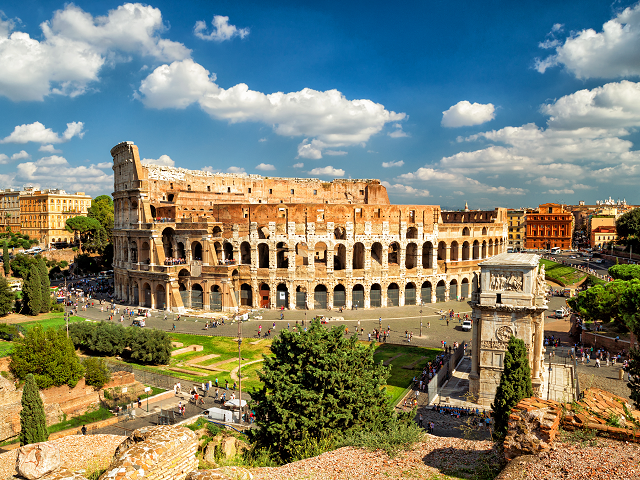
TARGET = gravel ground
(606,460)
(77,452)
(605,378)
(435,458)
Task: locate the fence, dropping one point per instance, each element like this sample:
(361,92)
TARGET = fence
(154,379)
(435,384)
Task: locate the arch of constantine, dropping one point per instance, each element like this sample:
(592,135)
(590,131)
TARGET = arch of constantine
(193,239)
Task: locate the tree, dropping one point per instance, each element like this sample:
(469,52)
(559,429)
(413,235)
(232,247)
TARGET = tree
(33,421)
(21,264)
(47,354)
(82,226)
(625,272)
(628,229)
(7,297)
(515,384)
(32,292)
(318,384)
(102,210)
(96,372)
(5,258)
(45,286)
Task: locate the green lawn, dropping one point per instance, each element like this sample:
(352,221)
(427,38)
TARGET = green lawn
(5,348)
(562,274)
(51,320)
(101,414)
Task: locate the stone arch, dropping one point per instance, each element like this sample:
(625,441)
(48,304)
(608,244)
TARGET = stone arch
(393,254)
(320,297)
(265,294)
(146,295)
(339,296)
(339,233)
(453,289)
(357,296)
(376,254)
(263,232)
(245,253)
(375,295)
(442,251)
(453,251)
(412,233)
(358,256)
(464,288)
(217,231)
(180,250)
(490,247)
(340,257)
(263,255)
(410,294)
(483,250)
(134,251)
(282,256)
(496,247)
(217,247)
(320,255)
(393,295)
(196,250)
(282,296)
(215,298)
(484,230)
(302,254)
(476,250)
(441,289)
(411,256)
(466,232)
(145,253)
(228,250)
(168,241)
(197,294)
(425,292)
(152,209)
(246,295)
(427,254)
(466,253)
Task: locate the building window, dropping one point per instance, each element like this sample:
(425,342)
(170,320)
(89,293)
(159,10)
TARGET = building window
(292,191)
(189,187)
(315,192)
(208,188)
(270,191)
(228,189)
(249,189)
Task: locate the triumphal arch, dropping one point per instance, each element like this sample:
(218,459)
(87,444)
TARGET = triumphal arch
(197,240)
(508,300)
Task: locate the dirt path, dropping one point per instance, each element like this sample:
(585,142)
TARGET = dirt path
(234,373)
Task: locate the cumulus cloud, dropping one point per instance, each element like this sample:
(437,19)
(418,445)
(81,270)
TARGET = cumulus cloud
(399,163)
(298,165)
(335,153)
(610,53)
(400,189)
(21,155)
(398,132)
(49,149)
(235,170)
(221,30)
(466,114)
(562,191)
(38,133)
(162,161)
(55,171)
(74,48)
(265,167)
(326,119)
(327,171)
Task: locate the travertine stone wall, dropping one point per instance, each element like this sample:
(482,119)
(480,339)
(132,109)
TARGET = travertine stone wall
(247,240)
(155,453)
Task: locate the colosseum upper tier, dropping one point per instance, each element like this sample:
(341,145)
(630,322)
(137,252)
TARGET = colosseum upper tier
(197,240)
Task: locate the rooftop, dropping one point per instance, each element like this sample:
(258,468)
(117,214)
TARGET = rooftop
(515,259)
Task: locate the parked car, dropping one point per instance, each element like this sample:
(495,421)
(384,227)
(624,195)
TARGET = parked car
(466,325)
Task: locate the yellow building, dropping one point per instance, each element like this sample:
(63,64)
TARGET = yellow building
(10,209)
(517,229)
(44,213)
(602,236)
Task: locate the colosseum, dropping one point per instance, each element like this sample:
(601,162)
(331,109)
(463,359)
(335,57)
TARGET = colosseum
(188,239)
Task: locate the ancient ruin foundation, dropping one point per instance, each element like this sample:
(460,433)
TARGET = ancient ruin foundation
(192,239)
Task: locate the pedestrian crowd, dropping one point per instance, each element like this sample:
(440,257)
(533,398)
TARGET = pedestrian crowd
(174,261)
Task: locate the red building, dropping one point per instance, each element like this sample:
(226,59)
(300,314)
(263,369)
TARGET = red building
(550,226)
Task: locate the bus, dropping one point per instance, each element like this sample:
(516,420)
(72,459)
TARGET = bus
(555,250)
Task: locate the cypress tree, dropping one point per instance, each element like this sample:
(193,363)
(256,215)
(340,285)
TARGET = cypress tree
(45,286)
(32,292)
(515,384)
(33,421)
(5,258)
(7,297)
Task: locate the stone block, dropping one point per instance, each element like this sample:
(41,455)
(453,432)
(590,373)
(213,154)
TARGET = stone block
(36,460)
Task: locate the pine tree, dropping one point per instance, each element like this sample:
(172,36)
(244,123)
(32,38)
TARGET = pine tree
(515,384)
(5,258)
(45,286)
(32,292)
(33,421)
(318,384)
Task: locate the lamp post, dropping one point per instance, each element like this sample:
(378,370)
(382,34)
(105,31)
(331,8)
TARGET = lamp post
(420,322)
(549,380)
(240,368)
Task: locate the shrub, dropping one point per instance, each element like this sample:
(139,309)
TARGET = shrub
(96,372)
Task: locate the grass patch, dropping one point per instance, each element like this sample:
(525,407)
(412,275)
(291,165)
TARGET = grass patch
(90,417)
(51,320)
(562,274)
(5,348)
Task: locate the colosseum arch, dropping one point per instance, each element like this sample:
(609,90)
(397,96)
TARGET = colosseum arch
(453,289)
(320,255)
(441,291)
(146,295)
(217,231)
(476,250)
(427,255)
(466,232)
(393,255)
(245,253)
(425,292)
(263,255)
(196,250)
(134,251)
(340,257)
(442,251)
(357,296)
(358,256)
(393,295)
(168,241)
(411,256)
(217,248)
(339,296)
(376,254)
(412,233)
(453,251)
(282,255)
(246,295)
(484,230)
(464,288)
(483,252)
(375,295)
(228,250)
(302,254)
(180,250)
(339,233)
(410,294)
(145,256)
(491,247)
(263,232)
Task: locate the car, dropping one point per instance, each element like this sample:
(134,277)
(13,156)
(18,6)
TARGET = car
(466,325)
(573,256)
(597,260)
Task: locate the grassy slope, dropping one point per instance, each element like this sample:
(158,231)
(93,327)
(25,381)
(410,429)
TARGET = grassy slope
(562,274)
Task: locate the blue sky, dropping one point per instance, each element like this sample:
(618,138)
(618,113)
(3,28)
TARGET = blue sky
(495,103)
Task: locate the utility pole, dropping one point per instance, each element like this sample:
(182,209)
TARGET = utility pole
(420,322)
(66,293)
(239,367)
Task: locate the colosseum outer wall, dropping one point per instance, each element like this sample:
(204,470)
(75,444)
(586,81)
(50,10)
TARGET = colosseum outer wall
(192,239)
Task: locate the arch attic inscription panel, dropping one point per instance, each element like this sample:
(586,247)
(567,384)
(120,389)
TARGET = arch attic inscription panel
(508,300)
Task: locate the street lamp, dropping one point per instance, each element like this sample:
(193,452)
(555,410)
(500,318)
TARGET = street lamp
(239,367)
(420,322)
(549,380)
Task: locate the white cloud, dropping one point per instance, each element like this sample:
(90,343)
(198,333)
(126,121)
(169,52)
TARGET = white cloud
(466,114)
(398,132)
(107,165)
(326,119)
(327,171)
(162,161)
(399,163)
(265,167)
(36,132)
(221,30)
(335,153)
(55,171)
(235,170)
(262,140)
(4,158)
(562,191)
(298,165)
(21,155)
(49,149)
(400,189)
(75,47)
(611,53)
